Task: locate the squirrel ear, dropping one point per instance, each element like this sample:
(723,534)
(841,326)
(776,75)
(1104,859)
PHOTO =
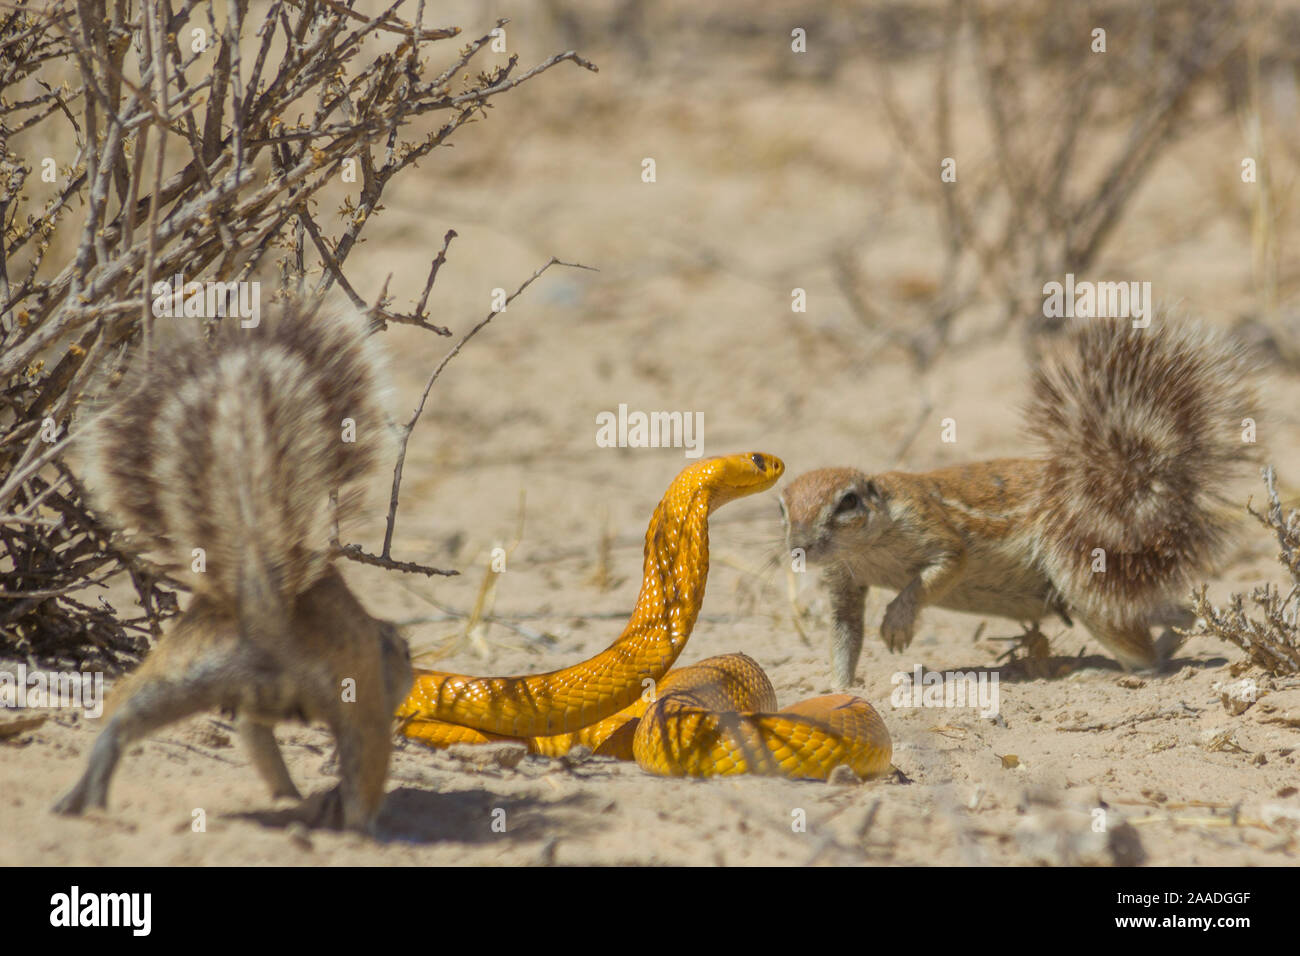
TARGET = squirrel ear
(873,495)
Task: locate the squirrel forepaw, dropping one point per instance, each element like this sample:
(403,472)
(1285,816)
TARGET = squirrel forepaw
(899,623)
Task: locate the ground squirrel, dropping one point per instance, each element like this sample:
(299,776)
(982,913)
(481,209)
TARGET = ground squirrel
(222,459)
(1139,430)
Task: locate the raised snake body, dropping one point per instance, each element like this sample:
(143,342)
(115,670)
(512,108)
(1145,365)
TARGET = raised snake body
(715,717)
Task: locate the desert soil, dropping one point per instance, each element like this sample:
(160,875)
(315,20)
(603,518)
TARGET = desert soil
(763,173)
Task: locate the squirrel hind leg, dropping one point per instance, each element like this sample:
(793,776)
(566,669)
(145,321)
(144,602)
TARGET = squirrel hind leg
(155,699)
(259,741)
(92,789)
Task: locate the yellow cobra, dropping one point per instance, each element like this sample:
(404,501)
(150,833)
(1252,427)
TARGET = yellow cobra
(715,717)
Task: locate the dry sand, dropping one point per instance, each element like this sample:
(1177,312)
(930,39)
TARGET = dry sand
(760,178)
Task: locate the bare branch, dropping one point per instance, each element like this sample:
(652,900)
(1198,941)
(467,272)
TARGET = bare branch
(309,95)
(405,436)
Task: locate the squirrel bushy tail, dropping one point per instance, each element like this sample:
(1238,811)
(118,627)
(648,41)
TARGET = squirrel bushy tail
(234,447)
(1142,428)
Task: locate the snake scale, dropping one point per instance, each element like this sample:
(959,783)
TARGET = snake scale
(715,717)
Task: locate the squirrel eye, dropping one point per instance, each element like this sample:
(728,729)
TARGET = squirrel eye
(849,503)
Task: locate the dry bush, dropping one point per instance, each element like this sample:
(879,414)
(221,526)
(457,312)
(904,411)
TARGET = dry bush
(1072,134)
(1274,642)
(178,152)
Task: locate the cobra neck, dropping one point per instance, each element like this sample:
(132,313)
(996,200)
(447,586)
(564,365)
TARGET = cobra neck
(676,568)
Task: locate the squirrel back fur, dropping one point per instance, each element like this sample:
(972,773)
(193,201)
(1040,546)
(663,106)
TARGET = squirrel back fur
(1141,430)
(235,446)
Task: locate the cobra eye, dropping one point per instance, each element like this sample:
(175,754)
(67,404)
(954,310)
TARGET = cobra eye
(849,503)
(759,462)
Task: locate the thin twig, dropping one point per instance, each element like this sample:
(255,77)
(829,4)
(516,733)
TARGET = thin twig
(354,552)
(406,431)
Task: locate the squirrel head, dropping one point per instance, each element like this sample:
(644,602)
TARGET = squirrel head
(830,508)
(395,657)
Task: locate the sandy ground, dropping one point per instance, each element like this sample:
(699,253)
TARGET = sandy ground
(762,174)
